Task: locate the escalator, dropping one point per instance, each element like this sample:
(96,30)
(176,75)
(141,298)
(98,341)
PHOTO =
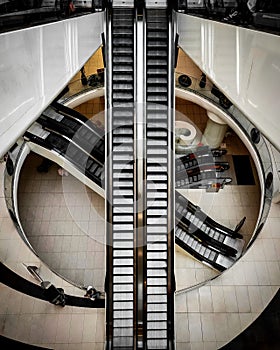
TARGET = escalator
(197,213)
(71,125)
(187,163)
(190,219)
(204,233)
(200,169)
(62,146)
(77,119)
(206,179)
(120,195)
(70,136)
(202,252)
(209,242)
(140,241)
(159,229)
(140,235)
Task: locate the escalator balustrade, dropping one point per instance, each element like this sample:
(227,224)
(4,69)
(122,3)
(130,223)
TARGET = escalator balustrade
(200,251)
(200,169)
(197,211)
(56,142)
(204,233)
(199,226)
(84,134)
(121,291)
(159,250)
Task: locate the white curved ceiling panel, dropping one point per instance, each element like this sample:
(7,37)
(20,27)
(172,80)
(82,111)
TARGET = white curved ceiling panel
(243,63)
(36,64)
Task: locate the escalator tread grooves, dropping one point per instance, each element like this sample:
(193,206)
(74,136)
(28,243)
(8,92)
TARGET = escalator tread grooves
(157,93)
(122,99)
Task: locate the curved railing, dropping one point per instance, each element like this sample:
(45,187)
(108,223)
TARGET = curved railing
(15,15)
(261,16)
(14,165)
(82,86)
(208,91)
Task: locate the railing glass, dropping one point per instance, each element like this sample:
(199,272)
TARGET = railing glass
(253,14)
(210,92)
(19,14)
(258,142)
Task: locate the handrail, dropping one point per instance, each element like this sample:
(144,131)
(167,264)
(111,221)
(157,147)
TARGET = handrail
(15,15)
(206,90)
(10,186)
(264,18)
(257,141)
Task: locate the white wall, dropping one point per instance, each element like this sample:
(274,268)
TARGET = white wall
(36,64)
(243,63)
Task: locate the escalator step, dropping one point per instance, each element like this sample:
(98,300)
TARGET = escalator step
(123,32)
(157,35)
(122,86)
(157,81)
(156,307)
(159,26)
(123,50)
(154,344)
(122,42)
(121,77)
(123,314)
(156,71)
(157,89)
(123,296)
(121,68)
(156,62)
(125,59)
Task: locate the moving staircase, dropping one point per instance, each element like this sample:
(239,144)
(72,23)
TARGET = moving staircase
(140,281)
(159,192)
(121,196)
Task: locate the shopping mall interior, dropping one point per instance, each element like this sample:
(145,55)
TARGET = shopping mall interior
(65,216)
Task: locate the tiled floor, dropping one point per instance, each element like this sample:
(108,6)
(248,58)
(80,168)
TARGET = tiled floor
(67,230)
(35,321)
(64,220)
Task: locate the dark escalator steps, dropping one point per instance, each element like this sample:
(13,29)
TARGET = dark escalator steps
(196,225)
(202,252)
(157,136)
(122,181)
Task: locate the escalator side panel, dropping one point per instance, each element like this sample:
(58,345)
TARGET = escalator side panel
(120,194)
(159,226)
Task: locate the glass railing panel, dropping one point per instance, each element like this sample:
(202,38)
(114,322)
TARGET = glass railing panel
(252,14)
(83,83)
(257,140)
(193,84)
(16,14)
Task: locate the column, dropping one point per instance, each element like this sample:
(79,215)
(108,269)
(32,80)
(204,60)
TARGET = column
(215,130)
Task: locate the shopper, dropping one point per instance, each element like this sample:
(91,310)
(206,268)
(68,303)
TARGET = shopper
(92,293)
(242,13)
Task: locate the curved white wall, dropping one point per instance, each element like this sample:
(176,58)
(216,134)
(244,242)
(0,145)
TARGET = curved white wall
(243,63)
(36,64)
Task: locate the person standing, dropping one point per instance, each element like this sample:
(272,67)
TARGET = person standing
(92,293)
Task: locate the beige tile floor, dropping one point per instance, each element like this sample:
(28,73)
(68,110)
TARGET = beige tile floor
(64,220)
(35,321)
(44,204)
(207,317)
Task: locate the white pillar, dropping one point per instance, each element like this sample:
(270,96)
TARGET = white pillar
(215,130)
